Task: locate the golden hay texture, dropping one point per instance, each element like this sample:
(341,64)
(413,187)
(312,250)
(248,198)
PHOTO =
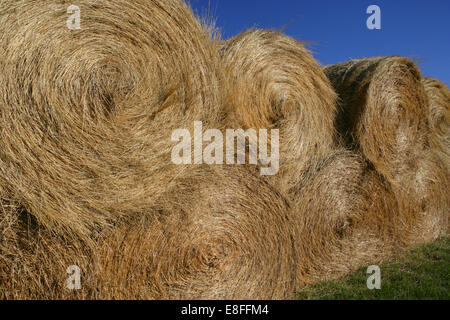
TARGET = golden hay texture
(199,243)
(346,211)
(439,117)
(272,81)
(343,211)
(86,176)
(383,115)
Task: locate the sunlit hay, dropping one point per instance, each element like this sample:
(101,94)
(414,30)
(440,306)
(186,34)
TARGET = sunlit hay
(383,115)
(86,177)
(439,117)
(344,216)
(33,261)
(233,245)
(86,118)
(89,113)
(272,81)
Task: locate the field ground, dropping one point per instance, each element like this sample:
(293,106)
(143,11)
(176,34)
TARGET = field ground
(419,273)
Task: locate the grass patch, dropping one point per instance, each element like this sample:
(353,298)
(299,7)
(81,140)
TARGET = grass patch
(420,273)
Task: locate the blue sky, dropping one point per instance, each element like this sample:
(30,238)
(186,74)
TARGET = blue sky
(336,30)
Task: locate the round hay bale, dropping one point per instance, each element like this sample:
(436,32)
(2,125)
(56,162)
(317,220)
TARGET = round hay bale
(272,81)
(85,157)
(87,114)
(383,115)
(439,117)
(234,245)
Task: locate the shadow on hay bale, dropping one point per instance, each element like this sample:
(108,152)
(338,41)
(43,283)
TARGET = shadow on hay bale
(439,117)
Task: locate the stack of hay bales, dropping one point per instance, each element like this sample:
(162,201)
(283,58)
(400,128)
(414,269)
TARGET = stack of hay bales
(360,176)
(272,81)
(384,116)
(86,176)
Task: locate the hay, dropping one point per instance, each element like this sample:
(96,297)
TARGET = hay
(86,119)
(383,116)
(344,215)
(81,110)
(224,247)
(387,190)
(439,117)
(86,176)
(272,81)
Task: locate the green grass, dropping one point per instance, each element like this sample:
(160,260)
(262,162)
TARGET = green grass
(420,273)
